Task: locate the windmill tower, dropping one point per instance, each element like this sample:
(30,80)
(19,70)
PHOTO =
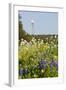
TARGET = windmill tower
(33,27)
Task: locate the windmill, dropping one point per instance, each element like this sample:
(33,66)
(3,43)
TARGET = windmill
(33,27)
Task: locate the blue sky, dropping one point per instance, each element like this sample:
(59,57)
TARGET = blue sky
(44,22)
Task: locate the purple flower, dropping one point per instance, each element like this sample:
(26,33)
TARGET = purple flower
(53,63)
(42,64)
(21,71)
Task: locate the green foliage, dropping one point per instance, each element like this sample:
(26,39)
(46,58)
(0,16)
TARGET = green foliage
(31,53)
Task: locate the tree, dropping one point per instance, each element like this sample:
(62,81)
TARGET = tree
(22,33)
(21,30)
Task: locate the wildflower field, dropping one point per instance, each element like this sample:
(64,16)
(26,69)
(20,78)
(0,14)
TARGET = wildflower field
(38,58)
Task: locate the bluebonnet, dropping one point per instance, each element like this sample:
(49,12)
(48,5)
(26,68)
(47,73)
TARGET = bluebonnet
(56,65)
(53,63)
(21,71)
(42,64)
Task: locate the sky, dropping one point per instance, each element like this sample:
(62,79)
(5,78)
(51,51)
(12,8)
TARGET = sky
(43,22)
